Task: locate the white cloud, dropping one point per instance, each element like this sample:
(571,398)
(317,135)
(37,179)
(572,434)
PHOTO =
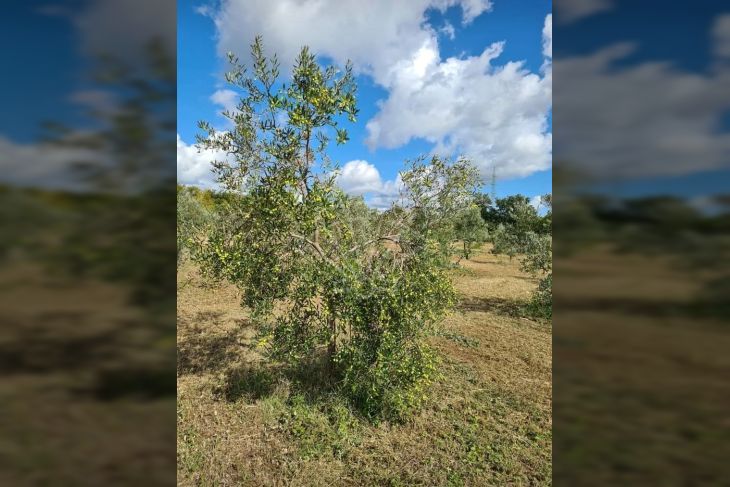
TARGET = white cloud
(536,201)
(226,99)
(42,165)
(474,8)
(389,192)
(569,11)
(194,166)
(495,114)
(547,37)
(448,30)
(375,35)
(359,177)
(648,119)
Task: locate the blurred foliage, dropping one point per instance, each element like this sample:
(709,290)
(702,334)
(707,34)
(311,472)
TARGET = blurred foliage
(661,225)
(470,229)
(195,209)
(117,226)
(128,192)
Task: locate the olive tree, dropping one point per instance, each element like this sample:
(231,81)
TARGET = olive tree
(192,219)
(322,280)
(525,234)
(470,228)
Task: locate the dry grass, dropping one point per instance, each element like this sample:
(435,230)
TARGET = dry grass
(488,420)
(59,339)
(641,388)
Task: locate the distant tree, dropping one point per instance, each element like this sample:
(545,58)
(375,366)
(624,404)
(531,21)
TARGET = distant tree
(545,223)
(517,230)
(470,228)
(483,202)
(193,218)
(512,210)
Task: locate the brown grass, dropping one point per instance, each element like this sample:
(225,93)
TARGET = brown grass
(641,387)
(58,341)
(488,421)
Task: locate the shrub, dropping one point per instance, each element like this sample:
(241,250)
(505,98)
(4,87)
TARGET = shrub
(192,220)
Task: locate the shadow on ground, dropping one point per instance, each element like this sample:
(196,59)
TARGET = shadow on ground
(199,350)
(503,306)
(252,381)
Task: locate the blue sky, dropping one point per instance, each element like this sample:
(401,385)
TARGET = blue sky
(50,56)
(514,136)
(50,80)
(656,118)
(49,61)
(668,149)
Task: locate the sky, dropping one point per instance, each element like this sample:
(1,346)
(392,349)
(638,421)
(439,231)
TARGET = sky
(643,104)
(50,81)
(642,96)
(51,55)
(453,77)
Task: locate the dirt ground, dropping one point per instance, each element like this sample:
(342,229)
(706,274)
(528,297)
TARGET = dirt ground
(64,347)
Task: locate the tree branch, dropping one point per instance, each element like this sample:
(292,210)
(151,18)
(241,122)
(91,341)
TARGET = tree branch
(314,245)
(392,238)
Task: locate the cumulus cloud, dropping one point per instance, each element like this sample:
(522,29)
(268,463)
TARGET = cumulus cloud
(375,35)
(226,99)
(389,192)
(494,113)
(573,10)
(42,165)
(359,177)
(640,120)
(194,166)
(547,37)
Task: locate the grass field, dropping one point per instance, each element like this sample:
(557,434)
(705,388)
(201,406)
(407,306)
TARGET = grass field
(242,421)
(640,378)
(62,345)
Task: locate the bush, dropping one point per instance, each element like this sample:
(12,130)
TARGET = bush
(541,302)
(385,364)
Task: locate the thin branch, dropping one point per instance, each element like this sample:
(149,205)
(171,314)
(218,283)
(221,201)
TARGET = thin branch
(314,245)
(393,238)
